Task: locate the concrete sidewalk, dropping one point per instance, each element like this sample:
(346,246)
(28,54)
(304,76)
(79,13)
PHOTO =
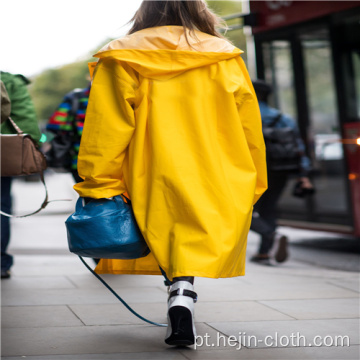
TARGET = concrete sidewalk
(53,308)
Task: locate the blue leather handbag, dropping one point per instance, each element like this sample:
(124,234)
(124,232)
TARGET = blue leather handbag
(105,228)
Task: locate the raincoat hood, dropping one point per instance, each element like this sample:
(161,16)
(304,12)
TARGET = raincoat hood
(163,52)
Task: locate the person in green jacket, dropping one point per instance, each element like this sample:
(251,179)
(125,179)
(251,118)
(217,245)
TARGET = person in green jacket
(22,107)
(23,114)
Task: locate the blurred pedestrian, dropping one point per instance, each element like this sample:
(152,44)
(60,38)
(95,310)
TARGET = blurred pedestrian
(171,109)
(67,123)
(274,244)
(23,113)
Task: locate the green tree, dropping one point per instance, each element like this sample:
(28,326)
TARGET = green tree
(223,8)
(48,88)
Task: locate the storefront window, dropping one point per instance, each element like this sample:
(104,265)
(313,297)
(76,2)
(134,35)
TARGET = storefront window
(278,67)
(356,66)
(279,73)
(324,130)
(349,38)
(320,83)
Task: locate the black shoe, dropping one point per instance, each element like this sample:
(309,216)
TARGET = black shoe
(5,274)
(280,247)
(261,259)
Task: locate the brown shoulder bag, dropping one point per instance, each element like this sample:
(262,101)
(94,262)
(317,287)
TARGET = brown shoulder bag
(21,156)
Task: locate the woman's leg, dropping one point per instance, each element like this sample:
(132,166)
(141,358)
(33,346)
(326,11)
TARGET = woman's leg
(272,244)
(168,282)
(264,216)
(267,207)
(190,279)
(266,231)
(6,259)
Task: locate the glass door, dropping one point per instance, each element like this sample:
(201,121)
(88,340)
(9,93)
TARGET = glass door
(300,68)
(324,130)
(278,66)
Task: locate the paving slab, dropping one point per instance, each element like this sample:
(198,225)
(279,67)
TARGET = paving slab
(117,314)
(37,282)
(330,353)
(47,232)
(260,334)
(303,353)
(37,316)
(236,311)
(48,265)
(350,284)
(317,308)
(77,340)
(87,280)
(88,339)
(169,354)
(274,289)
(23,297)
(297,270)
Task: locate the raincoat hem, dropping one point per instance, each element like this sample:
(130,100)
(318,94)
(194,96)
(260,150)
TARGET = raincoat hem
(128,272)
(142,272)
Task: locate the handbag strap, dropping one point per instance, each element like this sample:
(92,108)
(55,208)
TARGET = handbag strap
(42,206)
(118,296)
(45,201)
(18,130)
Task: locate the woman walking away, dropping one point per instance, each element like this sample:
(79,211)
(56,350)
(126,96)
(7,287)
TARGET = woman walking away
(173,121)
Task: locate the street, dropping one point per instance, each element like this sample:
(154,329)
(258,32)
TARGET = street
(53,308)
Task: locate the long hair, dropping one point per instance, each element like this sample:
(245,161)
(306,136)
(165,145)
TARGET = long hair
(191,14)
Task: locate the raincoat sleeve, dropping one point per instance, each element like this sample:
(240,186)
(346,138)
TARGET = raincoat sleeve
(250,117)
(108,128)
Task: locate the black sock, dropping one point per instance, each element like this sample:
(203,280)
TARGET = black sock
(189,279)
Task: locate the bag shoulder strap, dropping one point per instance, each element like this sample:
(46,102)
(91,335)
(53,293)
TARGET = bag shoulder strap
(42,206)
(118,296)
(45,202)
(16,127)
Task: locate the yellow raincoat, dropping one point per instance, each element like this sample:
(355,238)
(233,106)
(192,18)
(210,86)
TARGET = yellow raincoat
(178,128)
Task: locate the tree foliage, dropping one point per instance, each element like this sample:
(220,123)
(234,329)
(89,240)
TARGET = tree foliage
(49,87)
(223,8)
